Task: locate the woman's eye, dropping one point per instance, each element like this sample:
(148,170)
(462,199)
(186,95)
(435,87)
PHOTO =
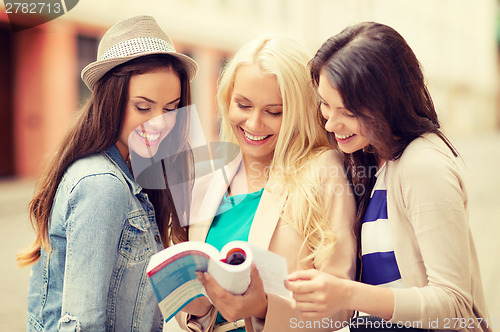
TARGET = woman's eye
(170,109)
(349,114)
(243,106)
(274,113)
(140,109)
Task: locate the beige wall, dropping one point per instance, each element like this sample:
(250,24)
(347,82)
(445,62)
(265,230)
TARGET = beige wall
(454,39)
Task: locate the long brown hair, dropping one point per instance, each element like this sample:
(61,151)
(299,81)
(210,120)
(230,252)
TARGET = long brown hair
(382,84)
(97,128)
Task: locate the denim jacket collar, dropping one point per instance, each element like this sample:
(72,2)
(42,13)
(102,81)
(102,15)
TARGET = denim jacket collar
(114,154)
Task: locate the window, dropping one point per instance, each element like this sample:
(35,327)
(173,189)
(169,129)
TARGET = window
(87,52)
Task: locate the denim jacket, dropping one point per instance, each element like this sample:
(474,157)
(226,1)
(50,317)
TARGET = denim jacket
(102,233)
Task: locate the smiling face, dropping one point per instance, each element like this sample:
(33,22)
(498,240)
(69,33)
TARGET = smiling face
(150,112)
(255,113)
(340,121)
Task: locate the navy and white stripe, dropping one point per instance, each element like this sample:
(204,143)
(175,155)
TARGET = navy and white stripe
(379,262)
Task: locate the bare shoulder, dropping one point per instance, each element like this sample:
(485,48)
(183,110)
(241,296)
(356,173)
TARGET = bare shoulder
(329,156)
(329,164)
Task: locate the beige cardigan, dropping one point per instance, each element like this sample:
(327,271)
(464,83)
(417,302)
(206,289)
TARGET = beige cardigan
(427,207)
(269,231)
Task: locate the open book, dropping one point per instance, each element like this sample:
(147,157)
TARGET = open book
(172,271)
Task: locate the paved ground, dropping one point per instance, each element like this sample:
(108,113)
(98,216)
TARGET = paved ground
(480,152)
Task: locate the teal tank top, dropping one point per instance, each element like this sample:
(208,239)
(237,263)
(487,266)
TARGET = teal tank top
(232,222)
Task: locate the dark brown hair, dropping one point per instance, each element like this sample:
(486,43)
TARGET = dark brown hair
(97,128)
(382,84)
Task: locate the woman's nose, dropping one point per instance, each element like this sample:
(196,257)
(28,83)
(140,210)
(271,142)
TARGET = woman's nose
(157,121)
(329,125)
(254,122)
(332,124)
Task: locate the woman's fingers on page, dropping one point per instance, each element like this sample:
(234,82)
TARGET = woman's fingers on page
(315,281)
(301,286)
(212,288)
(200,276)
(303,275)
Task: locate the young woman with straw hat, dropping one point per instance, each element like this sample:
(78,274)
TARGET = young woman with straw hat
(96,227)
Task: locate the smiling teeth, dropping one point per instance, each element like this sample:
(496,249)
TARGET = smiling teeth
(149,137)
(254,138)
(343,136)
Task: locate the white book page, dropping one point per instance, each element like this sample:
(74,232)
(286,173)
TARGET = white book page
(272,270)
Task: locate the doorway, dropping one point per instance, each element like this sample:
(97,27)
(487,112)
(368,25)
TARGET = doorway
(7,164)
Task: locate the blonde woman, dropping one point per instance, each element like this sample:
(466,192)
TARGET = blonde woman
(293,197)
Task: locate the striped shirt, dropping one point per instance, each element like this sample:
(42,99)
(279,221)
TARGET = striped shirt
(377,248)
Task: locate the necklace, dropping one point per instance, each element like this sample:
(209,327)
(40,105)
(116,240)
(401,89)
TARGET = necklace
(128,163)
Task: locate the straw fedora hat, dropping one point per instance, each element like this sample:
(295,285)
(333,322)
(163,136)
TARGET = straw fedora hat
(135,37)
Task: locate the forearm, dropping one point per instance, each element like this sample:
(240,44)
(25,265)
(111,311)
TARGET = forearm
(373,300)
(283,315)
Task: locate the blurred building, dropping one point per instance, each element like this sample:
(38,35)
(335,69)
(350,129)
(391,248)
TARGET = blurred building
(41,89)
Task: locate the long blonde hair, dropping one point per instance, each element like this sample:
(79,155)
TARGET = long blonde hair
(301,139)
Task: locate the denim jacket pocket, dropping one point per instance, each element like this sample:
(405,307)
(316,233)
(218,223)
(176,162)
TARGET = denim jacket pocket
(135,243)
(33,324)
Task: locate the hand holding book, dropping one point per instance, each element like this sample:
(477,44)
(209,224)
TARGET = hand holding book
(172,271)
(253,303)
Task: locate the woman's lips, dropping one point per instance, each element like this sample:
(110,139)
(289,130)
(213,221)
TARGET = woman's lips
(254,139)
